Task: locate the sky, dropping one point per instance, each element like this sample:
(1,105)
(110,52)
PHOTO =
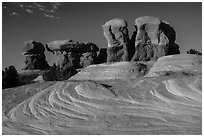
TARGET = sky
(82,21)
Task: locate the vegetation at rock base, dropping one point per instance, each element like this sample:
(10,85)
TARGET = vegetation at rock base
(10,77)
(57,74)
(193,51)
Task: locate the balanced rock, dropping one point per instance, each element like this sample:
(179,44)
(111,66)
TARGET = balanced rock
(154,38)
(65,50)
(116,34)
(35,57)
(64,45)
(73,54)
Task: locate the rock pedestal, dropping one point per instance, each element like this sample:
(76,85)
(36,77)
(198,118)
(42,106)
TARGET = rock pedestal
(116,34)
(154,38)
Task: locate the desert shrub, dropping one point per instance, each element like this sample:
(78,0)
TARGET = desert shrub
(57,74)
(10,77)
(27,78)
(193,51)
(142,68)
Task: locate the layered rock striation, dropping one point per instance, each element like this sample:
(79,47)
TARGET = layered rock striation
(183,63)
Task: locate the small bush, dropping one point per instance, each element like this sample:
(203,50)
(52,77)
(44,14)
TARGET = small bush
(10,77)
(193,51)
(57,74)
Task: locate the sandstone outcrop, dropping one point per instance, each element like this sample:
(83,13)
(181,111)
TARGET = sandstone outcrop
(35,57)
(154,38)
(88,54)
(183,63)
(116,34)
(117,70)
(73,54)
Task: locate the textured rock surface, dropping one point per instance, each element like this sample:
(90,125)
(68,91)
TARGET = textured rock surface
(88,58)
(88,54)
(97,104)
(35,57)
(73,54)
(118,70)
(153,39)
(185,63)
(116,34)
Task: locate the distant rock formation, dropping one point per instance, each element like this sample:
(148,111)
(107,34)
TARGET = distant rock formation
(73,54)
(116,34)
(35,57)
(154,38)
(88,54)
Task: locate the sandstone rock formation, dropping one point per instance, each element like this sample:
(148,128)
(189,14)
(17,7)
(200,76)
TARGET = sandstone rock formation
(154,38)
(171,64)
(35,57)
(116,34)
(73,54)
(88,54)
(117,70)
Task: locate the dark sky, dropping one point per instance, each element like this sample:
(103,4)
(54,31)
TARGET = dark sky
(83,22)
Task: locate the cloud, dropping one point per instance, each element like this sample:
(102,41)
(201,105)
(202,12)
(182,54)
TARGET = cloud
(14,14)
(55,5)
(46,9)
(29,11)
(51,16)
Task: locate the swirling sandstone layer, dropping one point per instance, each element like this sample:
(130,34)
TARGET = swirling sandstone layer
(135,105)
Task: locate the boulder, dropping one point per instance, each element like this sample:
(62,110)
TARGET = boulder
(153,38)
(35,57)
(116,34)
(88,58)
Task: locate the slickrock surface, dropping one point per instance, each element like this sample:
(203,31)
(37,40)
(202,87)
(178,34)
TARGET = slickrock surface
(166,104)
(186,63)
(118,70)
